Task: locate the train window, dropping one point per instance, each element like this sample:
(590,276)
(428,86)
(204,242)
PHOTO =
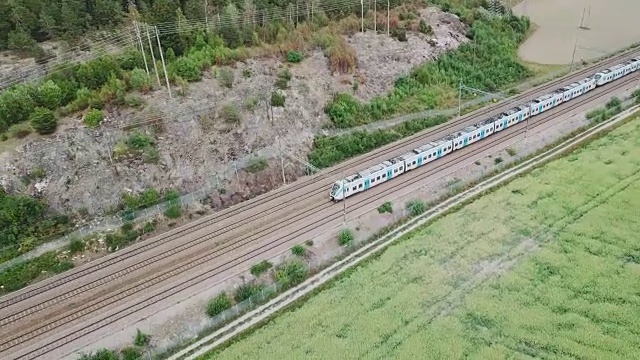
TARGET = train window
(384,176)
(378,178)
(373,180)
(414,162)
(429,156)
(360,186)
(354,188)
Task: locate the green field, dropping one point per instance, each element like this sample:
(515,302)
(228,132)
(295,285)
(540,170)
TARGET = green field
(546,267)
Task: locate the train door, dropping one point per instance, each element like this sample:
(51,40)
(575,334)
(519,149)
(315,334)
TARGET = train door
(482,134)
(540,109)
(367,183)
(465,141)
(389,174)
(504,124)
(520,117)
(419,160)
(439,152)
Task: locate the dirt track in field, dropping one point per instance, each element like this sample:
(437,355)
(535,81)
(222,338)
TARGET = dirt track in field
(612,24)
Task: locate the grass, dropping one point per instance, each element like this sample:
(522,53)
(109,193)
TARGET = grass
(564,245)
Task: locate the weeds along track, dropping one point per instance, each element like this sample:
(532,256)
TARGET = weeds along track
(290,199)
(288,196)
(233,251)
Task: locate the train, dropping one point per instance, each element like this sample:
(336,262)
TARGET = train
(421,156)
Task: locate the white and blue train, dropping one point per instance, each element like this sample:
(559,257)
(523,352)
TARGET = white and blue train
(421,156)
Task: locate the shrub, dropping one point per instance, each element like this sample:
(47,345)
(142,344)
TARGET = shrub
(511,152)
(19,131)
(20,275)
(173,212)
(416,207)
(131,353)
(76,246)
(497,160)
(93,117)
(49,95)
(225,76)
(229,113)
(102,354)
(148,227)
(43,121)
(294,57)
(282,82)
(171,195)
(114,91)
(139,140)
(146,198)
(291,273)
(218,304)
(134,101)
(186,68)
(277,99)
(425,28)
(298,250)
(16,104)
(386,207)
(256,165)
(259,268)
(141,339)
(345,237)
(140,80)
(246,291)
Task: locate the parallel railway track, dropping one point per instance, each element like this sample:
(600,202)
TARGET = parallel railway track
(229,247)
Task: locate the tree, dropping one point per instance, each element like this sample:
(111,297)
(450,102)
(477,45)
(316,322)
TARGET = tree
(43,121)
(106,13)
(73,20)
(15,106)
(49,95)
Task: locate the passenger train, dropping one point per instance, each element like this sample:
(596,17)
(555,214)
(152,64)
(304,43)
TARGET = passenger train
(427,153)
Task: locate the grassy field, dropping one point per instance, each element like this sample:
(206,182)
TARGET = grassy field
(547,266)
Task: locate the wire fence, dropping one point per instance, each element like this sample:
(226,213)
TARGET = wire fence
(215,322)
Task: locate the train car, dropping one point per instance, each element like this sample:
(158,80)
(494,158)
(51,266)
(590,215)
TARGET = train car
(411,160)
(587,84)
(542,104)
(498,125)
(435,150)
(610,74)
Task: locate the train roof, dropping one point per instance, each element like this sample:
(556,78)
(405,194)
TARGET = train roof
(407,156)
(470,128)
(637,58)
(543,98)
(511,111)
(486,122)
(423,148)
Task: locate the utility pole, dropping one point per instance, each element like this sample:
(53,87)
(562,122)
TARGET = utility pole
(164,66)
(573,57)
(144,57)
(375,16)
(153,57)
(388,9)
(206,16)
(362,14)
(344,201)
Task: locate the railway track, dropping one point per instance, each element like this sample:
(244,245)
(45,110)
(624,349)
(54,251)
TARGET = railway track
(287,193)
(230,249)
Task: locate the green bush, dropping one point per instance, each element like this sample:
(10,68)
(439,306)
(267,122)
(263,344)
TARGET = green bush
(218,304)
(141,339)
(225,76)
(94,74)
(291,273)
(16,104)
(330,150)
(76,246)
(416,207)
(43,121)
(294,57)
(131,353)
(49,95)
(145,199)
(282,82)
(139,141)
(345,237)
(246,291)
(229,113)
(256,165)
(488,62)
(173,212)
(102,354)
(386,207)
(19,131)
(186,68)
(277,99)
(259,268)
(93,117)
(140,80)
(298,250)
(171,195)
(18,276)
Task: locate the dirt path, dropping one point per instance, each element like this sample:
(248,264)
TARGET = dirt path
(611,24)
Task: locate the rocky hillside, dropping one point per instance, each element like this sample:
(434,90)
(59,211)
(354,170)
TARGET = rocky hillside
(187,141)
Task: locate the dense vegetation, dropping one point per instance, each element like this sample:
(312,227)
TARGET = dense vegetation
(330,150)
(25,223)
(488,62)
